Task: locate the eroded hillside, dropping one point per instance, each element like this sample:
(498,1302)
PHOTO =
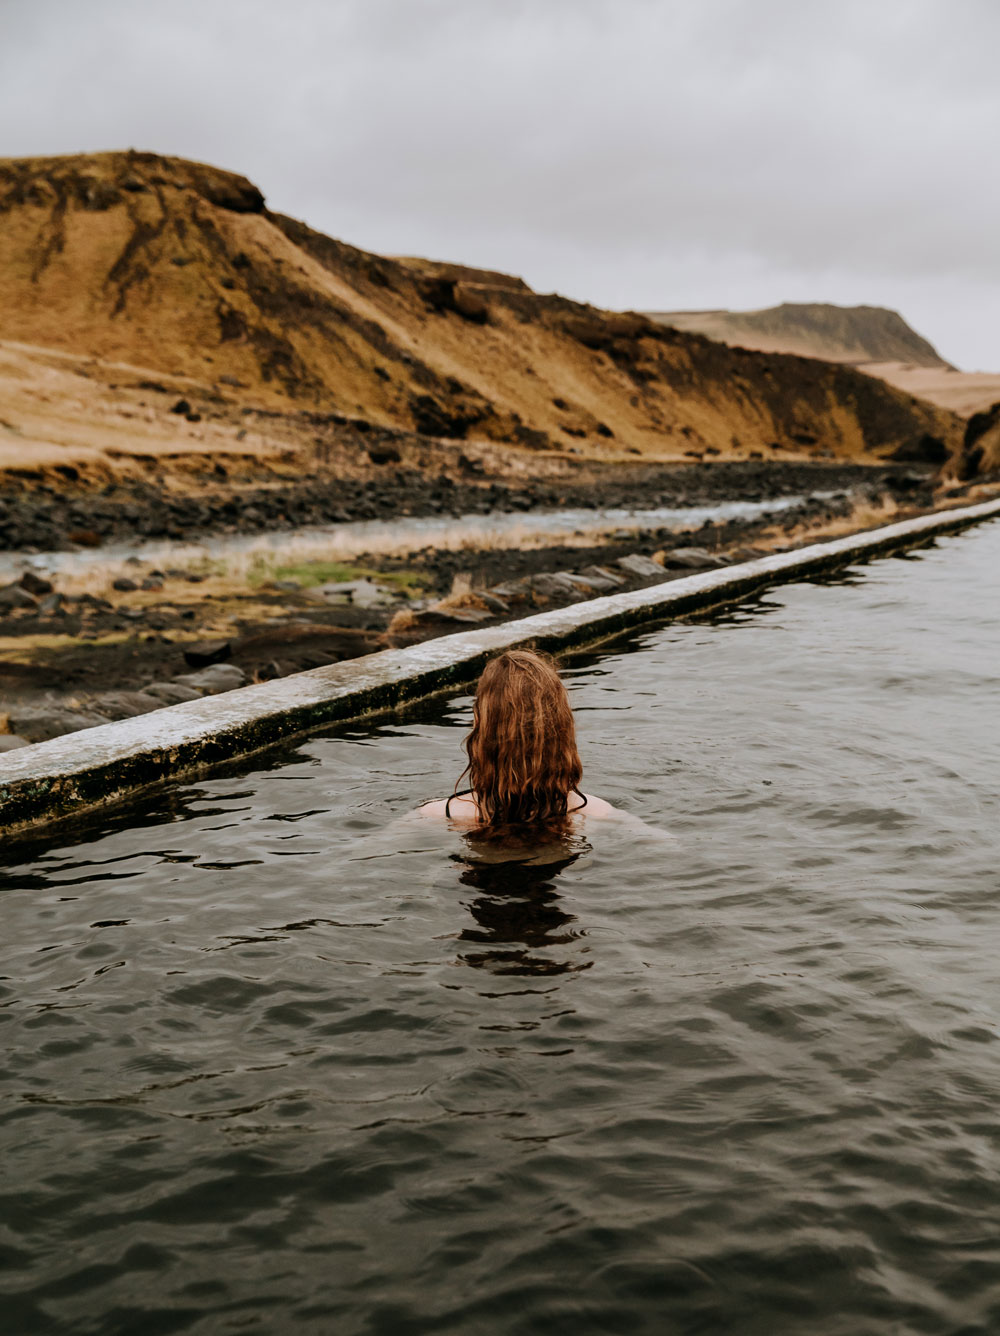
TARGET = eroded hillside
(130,279)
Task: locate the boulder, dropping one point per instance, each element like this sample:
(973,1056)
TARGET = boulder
(16,596)
(213,679)
(125,704)
(40,723)
(643,567)
(11,742)
(600,584)
(691,558)
(208,651)
(35,584)
(555,584)
(585,585)
(467,615)
(515,590)
(602,573)
(170,693)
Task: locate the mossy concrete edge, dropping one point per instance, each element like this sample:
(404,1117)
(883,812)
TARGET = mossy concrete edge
(97,767)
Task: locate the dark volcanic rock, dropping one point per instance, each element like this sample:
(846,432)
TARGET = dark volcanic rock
(35,584)
(209,651)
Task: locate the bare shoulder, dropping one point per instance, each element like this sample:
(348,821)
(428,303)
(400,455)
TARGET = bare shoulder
(598,807)
(431,809)
(605,811)
(461,809)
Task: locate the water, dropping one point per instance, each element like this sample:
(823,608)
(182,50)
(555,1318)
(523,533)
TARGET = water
(274,1061)
(341,542)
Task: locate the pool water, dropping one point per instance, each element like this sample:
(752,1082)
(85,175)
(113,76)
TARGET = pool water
(275,1058)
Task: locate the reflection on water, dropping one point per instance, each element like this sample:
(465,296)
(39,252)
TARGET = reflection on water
(519,916)
(271,1059)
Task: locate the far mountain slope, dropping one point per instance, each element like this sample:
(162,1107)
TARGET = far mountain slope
(179,269)
(853,334)
(872,338)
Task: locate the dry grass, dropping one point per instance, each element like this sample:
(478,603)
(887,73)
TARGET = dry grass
(865,515)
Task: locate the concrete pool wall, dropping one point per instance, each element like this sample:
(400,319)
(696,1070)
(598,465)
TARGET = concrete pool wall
(98,767)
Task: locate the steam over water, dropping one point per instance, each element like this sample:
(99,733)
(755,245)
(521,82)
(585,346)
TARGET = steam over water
(270,1061)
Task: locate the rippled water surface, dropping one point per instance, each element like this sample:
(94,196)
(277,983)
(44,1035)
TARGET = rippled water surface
(274,1060)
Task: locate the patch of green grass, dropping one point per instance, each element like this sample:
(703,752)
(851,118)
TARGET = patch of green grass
(207,567)
(312,573)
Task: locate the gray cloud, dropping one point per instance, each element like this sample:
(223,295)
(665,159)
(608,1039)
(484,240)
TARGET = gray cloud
(635,153)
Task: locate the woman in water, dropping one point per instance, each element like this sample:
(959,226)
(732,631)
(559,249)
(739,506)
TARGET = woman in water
(524,769)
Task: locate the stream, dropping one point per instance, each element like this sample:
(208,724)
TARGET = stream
(344,542)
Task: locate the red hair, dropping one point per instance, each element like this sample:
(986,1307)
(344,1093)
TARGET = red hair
(523,761)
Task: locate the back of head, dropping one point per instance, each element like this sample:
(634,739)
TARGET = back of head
(523,760)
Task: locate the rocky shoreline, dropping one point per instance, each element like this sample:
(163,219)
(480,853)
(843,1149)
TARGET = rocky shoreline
(75,659)
(46,516)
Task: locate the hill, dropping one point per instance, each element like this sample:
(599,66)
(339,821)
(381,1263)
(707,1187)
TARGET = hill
(128,276)
(871,338)
(964,392)
(852,334)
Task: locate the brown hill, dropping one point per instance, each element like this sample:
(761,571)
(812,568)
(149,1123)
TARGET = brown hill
(875,340)
(853,334)
(120,266)
(964,392)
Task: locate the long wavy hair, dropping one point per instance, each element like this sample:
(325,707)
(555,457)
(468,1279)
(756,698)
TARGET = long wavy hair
(523,761)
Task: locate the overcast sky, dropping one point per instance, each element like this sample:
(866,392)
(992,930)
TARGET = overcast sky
(648,154)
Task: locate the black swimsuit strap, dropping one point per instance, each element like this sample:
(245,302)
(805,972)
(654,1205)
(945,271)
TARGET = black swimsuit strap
(447,806)
(462,793)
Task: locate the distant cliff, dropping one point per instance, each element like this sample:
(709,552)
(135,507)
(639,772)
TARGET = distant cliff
(854,334)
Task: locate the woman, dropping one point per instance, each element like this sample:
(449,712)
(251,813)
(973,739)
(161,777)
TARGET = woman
(524,768)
